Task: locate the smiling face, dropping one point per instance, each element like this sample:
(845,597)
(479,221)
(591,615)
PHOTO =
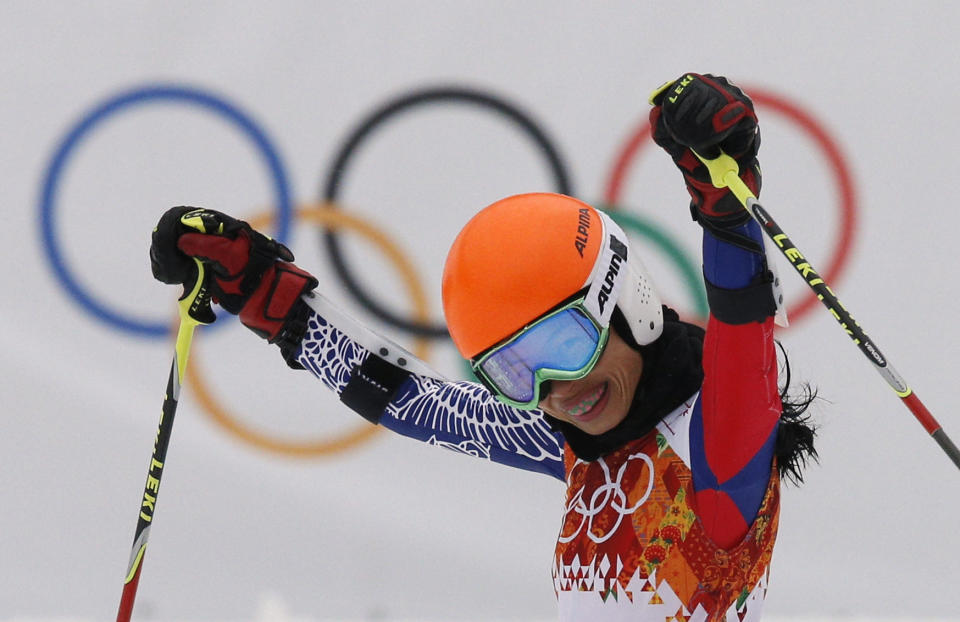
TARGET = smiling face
(600,400)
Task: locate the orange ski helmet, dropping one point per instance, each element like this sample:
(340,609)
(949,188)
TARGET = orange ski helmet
(522,256)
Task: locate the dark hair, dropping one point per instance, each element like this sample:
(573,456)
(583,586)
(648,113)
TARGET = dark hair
(796,433)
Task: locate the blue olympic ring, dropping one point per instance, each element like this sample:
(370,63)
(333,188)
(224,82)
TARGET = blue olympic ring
(178,94)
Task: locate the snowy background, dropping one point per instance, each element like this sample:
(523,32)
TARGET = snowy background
(388,528)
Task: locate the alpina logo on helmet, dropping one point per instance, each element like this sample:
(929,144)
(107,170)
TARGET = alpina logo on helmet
(616,259)
(583,230)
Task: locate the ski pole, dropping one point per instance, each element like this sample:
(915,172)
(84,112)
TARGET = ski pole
(724,173)
(194,309)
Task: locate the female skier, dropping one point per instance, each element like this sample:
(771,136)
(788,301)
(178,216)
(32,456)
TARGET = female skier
(671,439)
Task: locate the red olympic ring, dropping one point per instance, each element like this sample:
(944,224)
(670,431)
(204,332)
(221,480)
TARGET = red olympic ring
(838,164)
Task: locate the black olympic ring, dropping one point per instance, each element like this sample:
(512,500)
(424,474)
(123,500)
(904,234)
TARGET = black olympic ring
(362,131)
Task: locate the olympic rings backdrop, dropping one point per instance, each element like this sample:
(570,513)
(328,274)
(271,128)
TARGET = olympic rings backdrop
(332,223)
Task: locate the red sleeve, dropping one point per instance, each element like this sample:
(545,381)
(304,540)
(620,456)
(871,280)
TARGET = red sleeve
(740,399)
(734,427)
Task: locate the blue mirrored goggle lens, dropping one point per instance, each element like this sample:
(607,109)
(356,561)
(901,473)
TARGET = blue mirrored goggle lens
(563,342)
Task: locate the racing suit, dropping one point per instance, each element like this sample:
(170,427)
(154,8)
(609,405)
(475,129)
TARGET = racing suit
(676,524)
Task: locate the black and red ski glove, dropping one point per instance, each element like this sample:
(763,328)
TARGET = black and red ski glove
(706,113)
(250,274)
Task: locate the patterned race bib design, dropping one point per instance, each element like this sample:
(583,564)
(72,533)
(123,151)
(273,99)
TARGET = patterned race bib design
(631,547)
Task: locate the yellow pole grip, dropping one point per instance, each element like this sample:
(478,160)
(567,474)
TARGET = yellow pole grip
(725,173)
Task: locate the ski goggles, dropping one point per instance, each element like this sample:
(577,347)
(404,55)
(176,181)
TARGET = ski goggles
(562,345)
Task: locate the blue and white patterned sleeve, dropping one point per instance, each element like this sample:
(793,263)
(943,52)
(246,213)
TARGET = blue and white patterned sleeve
(457,415)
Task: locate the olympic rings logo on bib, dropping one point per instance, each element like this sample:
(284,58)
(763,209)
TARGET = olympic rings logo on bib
(609,501)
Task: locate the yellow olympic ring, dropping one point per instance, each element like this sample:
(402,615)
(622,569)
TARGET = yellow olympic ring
(324,216)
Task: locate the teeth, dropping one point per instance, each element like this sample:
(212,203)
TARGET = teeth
(586,403)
